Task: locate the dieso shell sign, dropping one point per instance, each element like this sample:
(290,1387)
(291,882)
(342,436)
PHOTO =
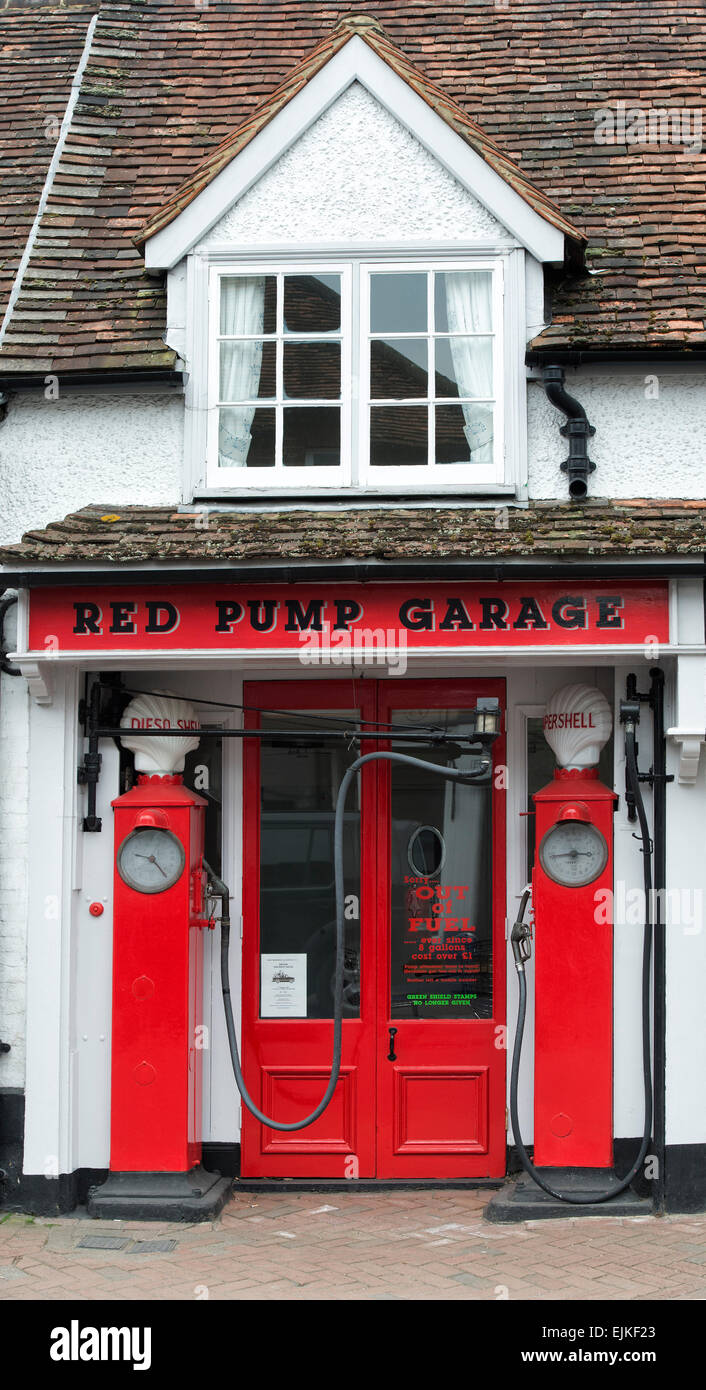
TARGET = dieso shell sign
(577,724)
(162,710)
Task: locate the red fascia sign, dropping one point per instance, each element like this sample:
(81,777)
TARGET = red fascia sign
(232,617)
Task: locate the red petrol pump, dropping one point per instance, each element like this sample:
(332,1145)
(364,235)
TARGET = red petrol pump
(573,1029)
(571,890)
(157,1025)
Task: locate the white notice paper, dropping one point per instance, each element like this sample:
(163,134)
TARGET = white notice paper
(283,986)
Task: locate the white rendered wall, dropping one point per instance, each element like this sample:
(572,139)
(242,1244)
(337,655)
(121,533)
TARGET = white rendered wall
(57,456)
(126,449)
(14,834)
(356,173)
(645,445)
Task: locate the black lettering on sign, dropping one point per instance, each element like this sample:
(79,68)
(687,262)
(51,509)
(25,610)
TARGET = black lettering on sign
(162,616)
(88,619)
(455,617)
(123,617)
(228,614)
(569,611)
(299,619)
(530,615)
(609,614)
(494,612)
(263,621)
(417,614)
(347,611)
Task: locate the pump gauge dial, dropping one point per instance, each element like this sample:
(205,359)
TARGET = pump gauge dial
(150,859)
(573,853)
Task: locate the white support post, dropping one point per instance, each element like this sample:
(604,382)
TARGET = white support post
(53,805)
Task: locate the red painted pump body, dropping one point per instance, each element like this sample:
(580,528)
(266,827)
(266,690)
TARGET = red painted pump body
(573,948)
(157,992)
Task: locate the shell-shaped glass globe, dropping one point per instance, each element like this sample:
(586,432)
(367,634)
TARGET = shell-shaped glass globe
(159,710)
(577,724)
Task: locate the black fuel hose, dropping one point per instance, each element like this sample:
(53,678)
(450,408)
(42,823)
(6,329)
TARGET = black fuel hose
(588,1198)
(218,889)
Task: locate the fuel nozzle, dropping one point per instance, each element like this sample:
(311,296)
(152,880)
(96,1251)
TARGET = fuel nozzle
(521,935)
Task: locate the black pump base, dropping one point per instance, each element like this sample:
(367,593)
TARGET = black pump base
(193,1196)
(523,1200)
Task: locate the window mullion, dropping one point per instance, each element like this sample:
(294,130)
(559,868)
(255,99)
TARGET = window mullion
(431,362)
(279,376)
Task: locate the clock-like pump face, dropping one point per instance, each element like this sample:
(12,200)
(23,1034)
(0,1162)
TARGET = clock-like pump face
(150,859)
(573,853)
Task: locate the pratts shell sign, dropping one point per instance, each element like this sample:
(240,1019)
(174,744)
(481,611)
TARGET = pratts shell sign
(577,723)
(161,710)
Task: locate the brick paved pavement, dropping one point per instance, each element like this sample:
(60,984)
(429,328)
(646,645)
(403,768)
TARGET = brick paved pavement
(368,1246)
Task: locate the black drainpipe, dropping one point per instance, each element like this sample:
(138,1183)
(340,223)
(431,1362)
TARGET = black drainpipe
(577,429)
(659,771)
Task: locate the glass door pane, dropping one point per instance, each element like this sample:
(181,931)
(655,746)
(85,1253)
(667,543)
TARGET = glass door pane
(441,881)
(299,785)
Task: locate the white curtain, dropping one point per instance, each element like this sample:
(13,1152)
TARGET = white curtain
(242,311)
(469,310)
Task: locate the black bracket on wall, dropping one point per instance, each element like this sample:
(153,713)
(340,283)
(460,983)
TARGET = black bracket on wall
(577,430)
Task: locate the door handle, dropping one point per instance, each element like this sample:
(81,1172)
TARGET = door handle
(392,1056)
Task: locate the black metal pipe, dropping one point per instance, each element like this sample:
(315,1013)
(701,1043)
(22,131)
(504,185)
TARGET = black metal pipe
(659,986)
(425,736)
(577,430)
(90,772)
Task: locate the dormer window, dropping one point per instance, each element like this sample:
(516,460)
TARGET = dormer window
(373,376)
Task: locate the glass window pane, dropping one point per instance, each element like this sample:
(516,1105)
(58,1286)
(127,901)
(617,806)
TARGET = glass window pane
(398,436)
(247,371)
(478,422)
(398,303)
(246,437)
(463,301)
(248,304)
(312,303)
(399,368)
(452,444)
(297,894)
(312,437)
(312,371)
(441,884)
(464,366)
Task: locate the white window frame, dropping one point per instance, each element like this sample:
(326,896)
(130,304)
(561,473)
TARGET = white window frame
(278,477)
(354,478)
(438,476)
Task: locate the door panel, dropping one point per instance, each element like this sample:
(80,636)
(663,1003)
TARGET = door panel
(425,951)
(441,892)
(440,1111)
(289,936)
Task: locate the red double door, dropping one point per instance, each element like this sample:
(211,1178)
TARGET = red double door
(421,1092)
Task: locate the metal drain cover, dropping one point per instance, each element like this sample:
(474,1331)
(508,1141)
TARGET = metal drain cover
(150,1247)
(103,1243)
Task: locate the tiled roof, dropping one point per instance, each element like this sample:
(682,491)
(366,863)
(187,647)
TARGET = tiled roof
(104,535)
(439,101)
(40,52)
(168,81)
